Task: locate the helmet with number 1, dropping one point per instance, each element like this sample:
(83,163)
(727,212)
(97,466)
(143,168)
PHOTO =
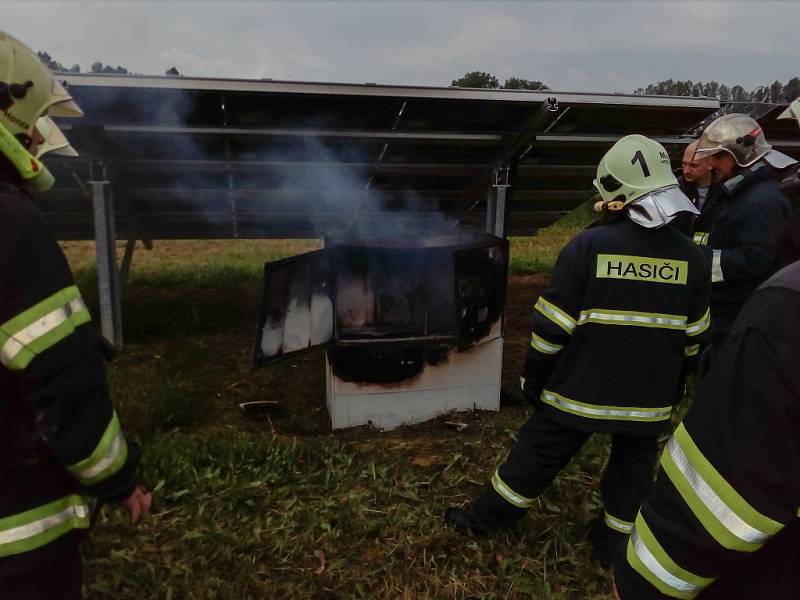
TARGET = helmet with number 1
(636,174)
(28,91)
(634,167)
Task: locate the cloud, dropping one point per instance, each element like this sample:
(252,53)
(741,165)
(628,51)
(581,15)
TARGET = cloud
(594,46)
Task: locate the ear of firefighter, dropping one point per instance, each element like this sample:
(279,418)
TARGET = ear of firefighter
(27,91)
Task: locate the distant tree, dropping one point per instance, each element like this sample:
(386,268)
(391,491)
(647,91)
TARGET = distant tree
(711,89)
(515,83)
(738,94)
(791,90)
(98,67)
(477,79)
(776,92)
(56,66)
(173,72)
(724,93)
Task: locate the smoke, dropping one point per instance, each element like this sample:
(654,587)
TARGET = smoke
(346,197)
(250,186)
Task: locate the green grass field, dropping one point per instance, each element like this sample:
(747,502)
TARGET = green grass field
(283,507)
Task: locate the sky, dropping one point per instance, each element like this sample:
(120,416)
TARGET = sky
(588,45)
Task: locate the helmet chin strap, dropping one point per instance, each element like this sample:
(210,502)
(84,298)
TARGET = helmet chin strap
(32,171)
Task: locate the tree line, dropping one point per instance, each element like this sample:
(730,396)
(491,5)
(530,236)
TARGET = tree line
(777,92)
(97,67)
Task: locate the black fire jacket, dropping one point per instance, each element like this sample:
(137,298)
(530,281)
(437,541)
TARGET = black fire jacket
(697,226)
(743,238)
(728,480)
(60,441)
(626,307)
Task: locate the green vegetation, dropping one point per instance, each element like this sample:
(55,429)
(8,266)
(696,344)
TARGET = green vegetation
(281,507)
(537,254)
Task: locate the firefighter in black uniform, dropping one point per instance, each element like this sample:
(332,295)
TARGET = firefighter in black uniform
(749,212)
(726,500)
(61,445)
(628,303)
(696,180)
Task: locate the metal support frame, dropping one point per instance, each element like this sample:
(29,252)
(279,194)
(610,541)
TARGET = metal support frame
(502,171)
(501,182)
(108,278)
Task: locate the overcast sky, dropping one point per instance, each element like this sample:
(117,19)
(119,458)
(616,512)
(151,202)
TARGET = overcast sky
(571,46)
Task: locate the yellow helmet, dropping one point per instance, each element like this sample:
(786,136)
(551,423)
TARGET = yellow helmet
(28,91)
(636,175)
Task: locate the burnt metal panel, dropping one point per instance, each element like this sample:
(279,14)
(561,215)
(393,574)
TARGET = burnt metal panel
(296,309)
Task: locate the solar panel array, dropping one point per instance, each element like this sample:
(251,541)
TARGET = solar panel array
(208,158)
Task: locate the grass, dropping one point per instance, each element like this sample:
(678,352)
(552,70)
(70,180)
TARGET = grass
(283,507)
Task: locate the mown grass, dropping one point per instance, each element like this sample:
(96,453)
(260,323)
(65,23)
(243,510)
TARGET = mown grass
(283,507)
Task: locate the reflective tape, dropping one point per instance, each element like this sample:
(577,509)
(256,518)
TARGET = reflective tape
(555,314)
(107,458)
(648,558)
(727,516)
(39,526)
(701,238)
(692,350)
(699,326)
(626,317)
(618,524)
(40,327)
(592,411)
(543,346)
(508,494)
(716,266)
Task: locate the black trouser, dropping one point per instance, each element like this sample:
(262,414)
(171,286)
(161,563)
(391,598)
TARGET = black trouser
(52,572)
(769,573)
(542,449)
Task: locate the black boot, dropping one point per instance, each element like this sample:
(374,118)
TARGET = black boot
(463,519)
(606,542)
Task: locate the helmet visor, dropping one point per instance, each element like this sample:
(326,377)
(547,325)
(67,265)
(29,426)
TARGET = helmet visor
(660,206)
(779,160)
(55,142)
(63,105)
(792,111)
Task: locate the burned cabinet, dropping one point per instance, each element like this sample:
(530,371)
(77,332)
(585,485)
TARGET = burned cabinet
(391,310)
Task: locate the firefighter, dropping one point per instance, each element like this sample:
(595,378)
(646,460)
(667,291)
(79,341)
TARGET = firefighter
(697,182)
(750,210)
(628,303)
(726,500)
(61,446)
